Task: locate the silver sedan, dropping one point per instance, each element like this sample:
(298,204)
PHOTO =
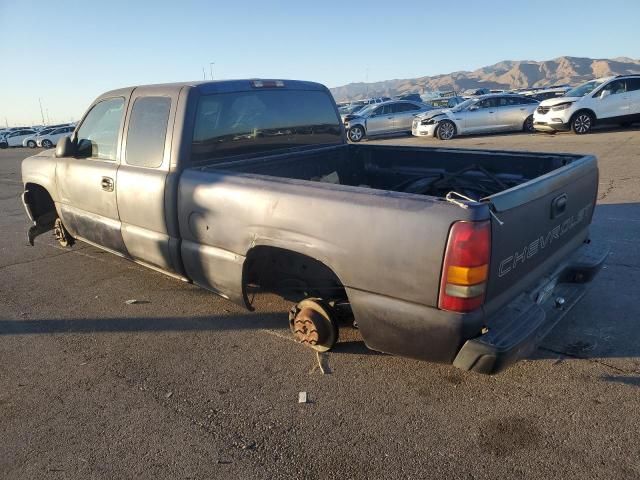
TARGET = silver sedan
(484,114)
(394,116)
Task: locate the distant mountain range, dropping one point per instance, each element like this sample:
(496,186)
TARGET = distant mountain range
(504,75)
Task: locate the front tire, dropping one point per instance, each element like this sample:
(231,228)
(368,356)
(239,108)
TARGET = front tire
(582,123)
(61,234)
(31,144)
(46,143)
(527,126)
(446,130)
(356,133)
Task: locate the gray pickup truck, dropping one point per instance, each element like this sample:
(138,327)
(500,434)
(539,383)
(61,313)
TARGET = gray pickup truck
(467,257)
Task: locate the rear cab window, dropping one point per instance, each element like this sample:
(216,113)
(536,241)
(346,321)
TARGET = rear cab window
(147,131)
(257,121)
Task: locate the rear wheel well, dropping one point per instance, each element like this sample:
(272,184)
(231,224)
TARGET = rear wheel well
(290,274)
(39,200)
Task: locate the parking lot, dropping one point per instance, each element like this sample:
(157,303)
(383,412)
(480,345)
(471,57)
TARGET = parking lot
(183,384)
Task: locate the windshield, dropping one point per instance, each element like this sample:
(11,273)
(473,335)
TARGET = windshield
(584,89)
(465,104)
(350,109)
(366,110)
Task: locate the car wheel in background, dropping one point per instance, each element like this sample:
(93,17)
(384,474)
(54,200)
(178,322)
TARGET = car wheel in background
(356,133)
(446,130)
(46,143)
(31,144)
(581,123)
(527,126)
(4,144)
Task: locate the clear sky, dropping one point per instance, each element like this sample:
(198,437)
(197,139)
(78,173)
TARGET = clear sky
(68,52)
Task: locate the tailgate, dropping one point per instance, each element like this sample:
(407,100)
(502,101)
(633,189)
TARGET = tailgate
(543,221)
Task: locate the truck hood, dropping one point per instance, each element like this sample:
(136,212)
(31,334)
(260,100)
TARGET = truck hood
(550,102)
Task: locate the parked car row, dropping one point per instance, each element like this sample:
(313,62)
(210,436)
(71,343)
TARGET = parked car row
(46,137)
(608,100)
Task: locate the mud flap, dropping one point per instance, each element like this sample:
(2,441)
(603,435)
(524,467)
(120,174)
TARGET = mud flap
(42,224)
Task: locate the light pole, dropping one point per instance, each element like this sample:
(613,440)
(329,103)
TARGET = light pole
(41,111)
(211,64)
(366,85)
(204,75)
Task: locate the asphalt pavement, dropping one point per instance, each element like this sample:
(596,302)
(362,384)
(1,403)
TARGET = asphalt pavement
(183,384)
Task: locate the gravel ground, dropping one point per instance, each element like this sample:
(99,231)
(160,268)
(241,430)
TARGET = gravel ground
(187,385)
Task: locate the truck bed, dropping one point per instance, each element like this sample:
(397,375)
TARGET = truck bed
(428,171)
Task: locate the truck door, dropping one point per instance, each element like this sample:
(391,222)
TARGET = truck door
(482,116)
(404,116)
(380,120)
(633,90)
(511,113)
(145,208)
(613,100)
(87,181)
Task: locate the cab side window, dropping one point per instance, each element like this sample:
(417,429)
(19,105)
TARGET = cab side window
(147,131)
(487,103)
(98,135)
(633,84)
(616,87)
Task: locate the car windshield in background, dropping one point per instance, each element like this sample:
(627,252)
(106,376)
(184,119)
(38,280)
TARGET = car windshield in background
(584,89)
(256,121)
(366,110)
(465,104)
(351,109)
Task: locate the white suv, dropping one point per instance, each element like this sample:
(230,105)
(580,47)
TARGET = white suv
(604,100)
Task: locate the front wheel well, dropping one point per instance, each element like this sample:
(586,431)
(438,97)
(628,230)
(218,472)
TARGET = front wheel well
(38,200)
(584,110)
(292,275)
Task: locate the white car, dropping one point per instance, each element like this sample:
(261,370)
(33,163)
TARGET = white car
(484,114)
(31,140)
(49,140)
(604,100)
(14,138)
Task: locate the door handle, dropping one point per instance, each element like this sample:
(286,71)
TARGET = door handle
(107,184)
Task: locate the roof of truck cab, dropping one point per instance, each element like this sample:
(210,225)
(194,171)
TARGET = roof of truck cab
(221,86)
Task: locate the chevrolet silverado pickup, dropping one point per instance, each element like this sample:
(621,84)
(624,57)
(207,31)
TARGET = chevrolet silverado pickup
(467,257)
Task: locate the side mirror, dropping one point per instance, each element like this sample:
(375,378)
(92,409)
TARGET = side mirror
(65,147)
(604,94)
(473,108)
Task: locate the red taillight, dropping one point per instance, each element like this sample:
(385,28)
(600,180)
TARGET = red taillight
(466,267)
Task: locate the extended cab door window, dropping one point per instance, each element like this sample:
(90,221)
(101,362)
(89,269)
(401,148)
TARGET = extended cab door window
(147,131)
(98,134)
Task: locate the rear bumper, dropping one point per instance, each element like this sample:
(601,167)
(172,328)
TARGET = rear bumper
(427,333)
(518,328)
